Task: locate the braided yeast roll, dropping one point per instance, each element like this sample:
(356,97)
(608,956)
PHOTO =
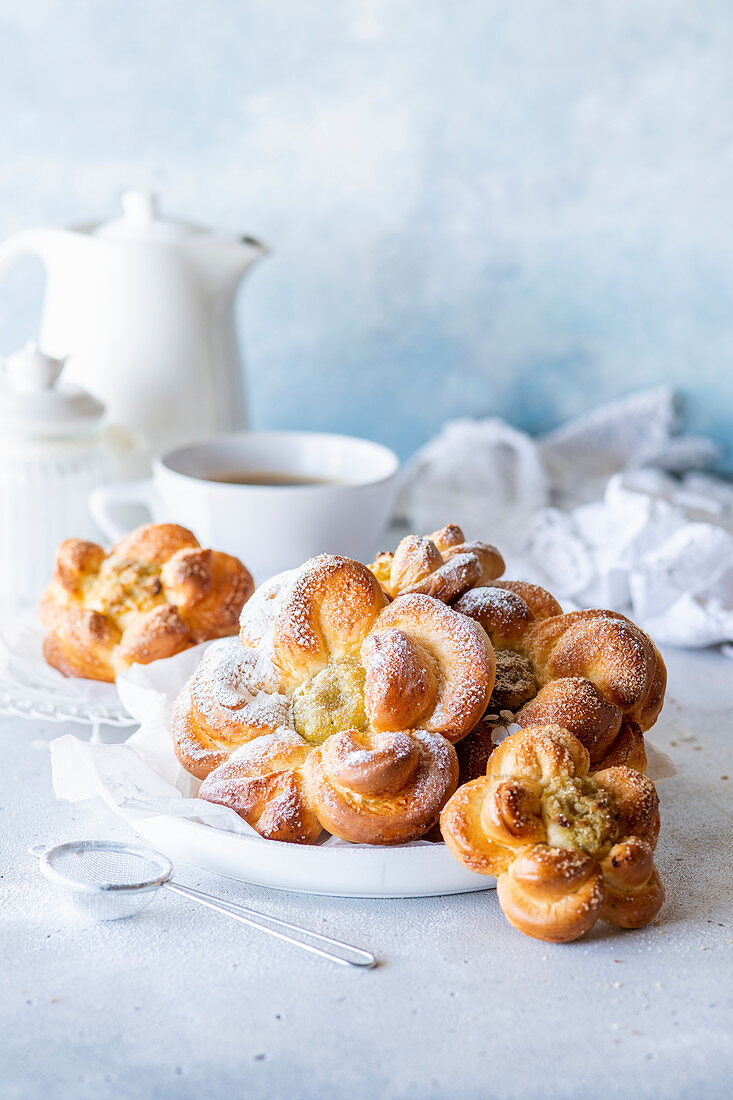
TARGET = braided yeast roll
(324,616)
(378,689)
(567,846)
(232,698)
(442,565)
(336,657)
(299,624)
(593,672)
(381,788)
(365,787)
(156,593)
(264,783)
(426,665)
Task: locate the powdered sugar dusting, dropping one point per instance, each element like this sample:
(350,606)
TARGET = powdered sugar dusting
(607,649)
(235,690)
(325,613)
(503,614)
(263,782)
(577,705)
(401,679)
(462,654)
(449,580)
(259,613)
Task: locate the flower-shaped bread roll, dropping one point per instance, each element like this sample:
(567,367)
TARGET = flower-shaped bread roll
(592,672)
(379,689)
(297,667)
(443,565)
(154,594)
(566,846)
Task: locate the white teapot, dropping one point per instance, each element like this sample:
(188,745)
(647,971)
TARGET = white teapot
(142,308)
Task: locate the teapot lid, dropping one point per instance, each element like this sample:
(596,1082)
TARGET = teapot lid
(35,404)
(141,220)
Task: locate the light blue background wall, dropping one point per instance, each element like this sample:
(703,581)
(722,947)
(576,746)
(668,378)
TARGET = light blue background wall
(474,206)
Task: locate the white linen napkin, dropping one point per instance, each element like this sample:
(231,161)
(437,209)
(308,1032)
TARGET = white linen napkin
(600,511)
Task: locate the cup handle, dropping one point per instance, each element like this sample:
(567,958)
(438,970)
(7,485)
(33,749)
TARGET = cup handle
(103,504)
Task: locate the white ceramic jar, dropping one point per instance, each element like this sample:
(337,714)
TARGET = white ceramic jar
(51,456)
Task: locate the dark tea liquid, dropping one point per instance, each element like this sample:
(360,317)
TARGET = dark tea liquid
(269,477)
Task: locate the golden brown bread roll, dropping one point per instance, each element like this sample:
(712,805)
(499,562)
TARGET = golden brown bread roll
(539,601)
(336,666)
(552,894)
(634,893)
(324,616)
(231,699)
(361,675)
(426,666)
(381,788)
(156,593)
(365,787)
(263,782)
(442,565)
(567,846)
(592,672)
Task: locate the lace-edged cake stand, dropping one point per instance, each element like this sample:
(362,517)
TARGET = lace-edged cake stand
(30,688)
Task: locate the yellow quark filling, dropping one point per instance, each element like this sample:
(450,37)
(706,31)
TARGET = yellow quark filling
(332,701)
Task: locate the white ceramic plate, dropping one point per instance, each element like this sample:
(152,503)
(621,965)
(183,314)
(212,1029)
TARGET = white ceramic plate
(348,871)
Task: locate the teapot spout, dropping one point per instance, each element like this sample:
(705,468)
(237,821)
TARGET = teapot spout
(248,251)
(224,261)
(252,248)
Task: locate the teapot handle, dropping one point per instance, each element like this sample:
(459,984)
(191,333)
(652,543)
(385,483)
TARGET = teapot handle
(104,505)
(29,242)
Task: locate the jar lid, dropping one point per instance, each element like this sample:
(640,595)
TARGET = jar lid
(34,403)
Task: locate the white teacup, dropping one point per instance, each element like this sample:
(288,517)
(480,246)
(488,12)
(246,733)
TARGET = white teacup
(340,504)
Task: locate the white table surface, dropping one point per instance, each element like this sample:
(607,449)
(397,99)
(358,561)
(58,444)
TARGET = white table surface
(179,1002)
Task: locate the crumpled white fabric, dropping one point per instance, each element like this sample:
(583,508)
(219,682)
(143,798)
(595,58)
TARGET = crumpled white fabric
(580,511)
(643,429)
(659,546)
(482,474)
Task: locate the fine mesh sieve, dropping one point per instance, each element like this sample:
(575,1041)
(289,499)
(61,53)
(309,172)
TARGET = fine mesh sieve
(105,880)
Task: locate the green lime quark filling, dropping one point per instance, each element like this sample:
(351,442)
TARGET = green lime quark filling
(579,814)
(332,701)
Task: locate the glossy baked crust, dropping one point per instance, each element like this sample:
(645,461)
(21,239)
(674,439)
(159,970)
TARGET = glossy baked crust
(443,565)
(592,672)
(157,592)
(566,845)
(373,692)
(362,786)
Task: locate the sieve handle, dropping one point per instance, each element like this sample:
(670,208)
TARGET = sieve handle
(343,953)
